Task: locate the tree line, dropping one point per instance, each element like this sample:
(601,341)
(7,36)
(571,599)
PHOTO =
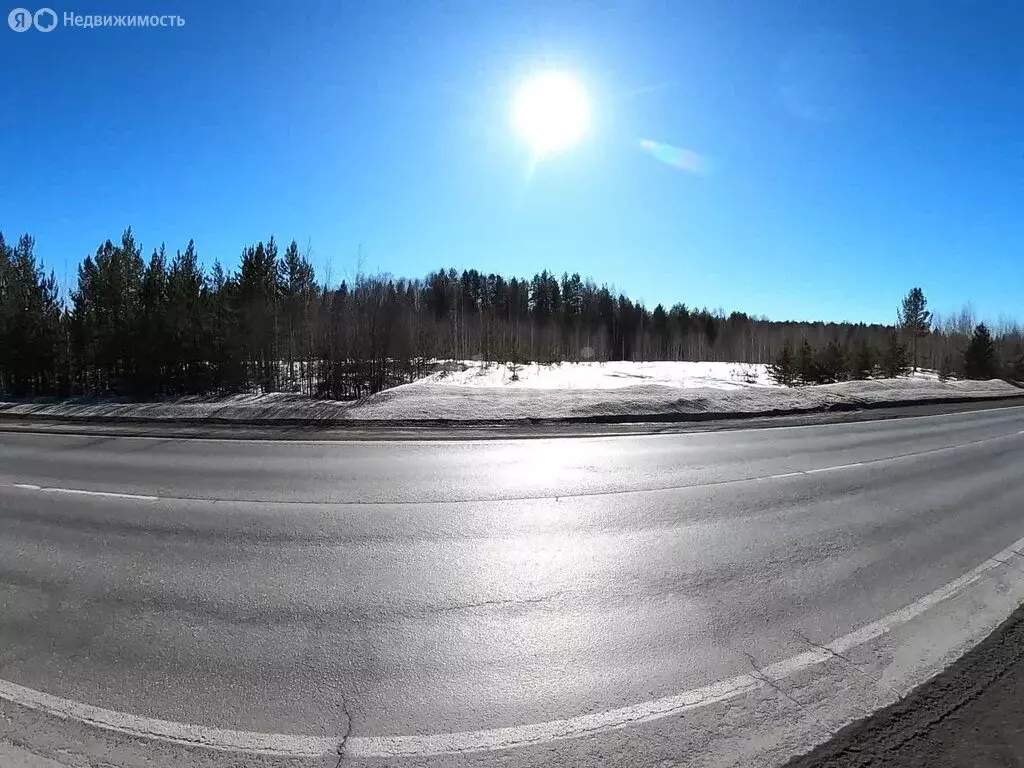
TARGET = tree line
(167,325)
(950,350)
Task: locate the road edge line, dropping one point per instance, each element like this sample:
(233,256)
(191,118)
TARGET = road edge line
(490,739)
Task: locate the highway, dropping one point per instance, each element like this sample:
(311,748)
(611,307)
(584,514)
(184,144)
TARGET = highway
(390,594)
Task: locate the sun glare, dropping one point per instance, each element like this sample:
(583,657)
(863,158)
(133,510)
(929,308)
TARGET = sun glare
(551,111)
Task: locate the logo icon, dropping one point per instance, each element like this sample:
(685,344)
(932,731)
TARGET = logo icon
(20,19)
(45,20)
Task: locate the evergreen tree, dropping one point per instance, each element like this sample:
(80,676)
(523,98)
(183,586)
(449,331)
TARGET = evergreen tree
(946,368)
(782,370)
(30,322)
(298,294)
(170,326)
(863,362)
(895,360)
(516,359)
(1015,363)
(153,363)
(915,320)
(258,293)
(189,324)
(980,356)
(227,347)
(806,365)
(659,328)
(105,317)
(830,364)
(7,312)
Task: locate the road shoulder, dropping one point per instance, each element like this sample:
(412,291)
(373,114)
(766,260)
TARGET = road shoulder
(968,715)
(13,756)
(433,430)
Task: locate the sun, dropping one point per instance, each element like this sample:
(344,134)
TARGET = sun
(551,111)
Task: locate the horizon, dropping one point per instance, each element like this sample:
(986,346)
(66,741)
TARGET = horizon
(811,162)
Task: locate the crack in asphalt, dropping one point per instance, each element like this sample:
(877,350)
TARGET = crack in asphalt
(959,704)
(347,733)
(758,674)
(495,603)
(848,663)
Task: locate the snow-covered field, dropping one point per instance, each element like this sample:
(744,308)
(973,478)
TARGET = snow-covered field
(470,392)
(423,401)
(610,375)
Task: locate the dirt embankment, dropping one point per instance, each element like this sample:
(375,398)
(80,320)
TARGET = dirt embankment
(424,403)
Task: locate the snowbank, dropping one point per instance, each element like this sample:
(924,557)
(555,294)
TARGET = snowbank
(431,401)
(421,401)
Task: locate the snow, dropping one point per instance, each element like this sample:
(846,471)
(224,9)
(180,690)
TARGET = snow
(651,391)
(421,401)
(610,375)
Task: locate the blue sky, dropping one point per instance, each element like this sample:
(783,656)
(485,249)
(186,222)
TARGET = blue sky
(854,149)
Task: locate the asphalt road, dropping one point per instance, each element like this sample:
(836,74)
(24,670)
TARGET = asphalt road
(402,588)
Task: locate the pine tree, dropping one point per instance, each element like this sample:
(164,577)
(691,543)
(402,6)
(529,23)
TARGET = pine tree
(7,313)
(516,358)
(980,356)
(154,348)
(105,313)
(830,364)
(30,322)
(806,365)
(915,320)
(1015,365)
(895,360)
(124,294)
(258,294)
(946,368)
(188,324)
(169,327)
(298,293)
(863,362)
(226,351)
(782,370)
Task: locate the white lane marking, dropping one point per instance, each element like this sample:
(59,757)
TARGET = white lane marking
(220,739)
(582,494)
(510,439)
(489,739)
(111,494)
(586,494)
(722,690)
(836,467)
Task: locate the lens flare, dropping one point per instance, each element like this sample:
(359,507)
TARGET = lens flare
(676,157)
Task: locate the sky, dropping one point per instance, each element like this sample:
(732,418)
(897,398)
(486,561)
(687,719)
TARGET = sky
(841,152)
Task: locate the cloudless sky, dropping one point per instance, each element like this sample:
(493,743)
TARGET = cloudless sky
(854,149)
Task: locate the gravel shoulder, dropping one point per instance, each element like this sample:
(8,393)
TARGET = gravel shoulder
(968,715)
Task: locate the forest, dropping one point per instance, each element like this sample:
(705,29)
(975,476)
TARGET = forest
(166,325)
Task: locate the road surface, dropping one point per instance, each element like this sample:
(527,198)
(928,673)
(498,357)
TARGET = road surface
(547,600)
